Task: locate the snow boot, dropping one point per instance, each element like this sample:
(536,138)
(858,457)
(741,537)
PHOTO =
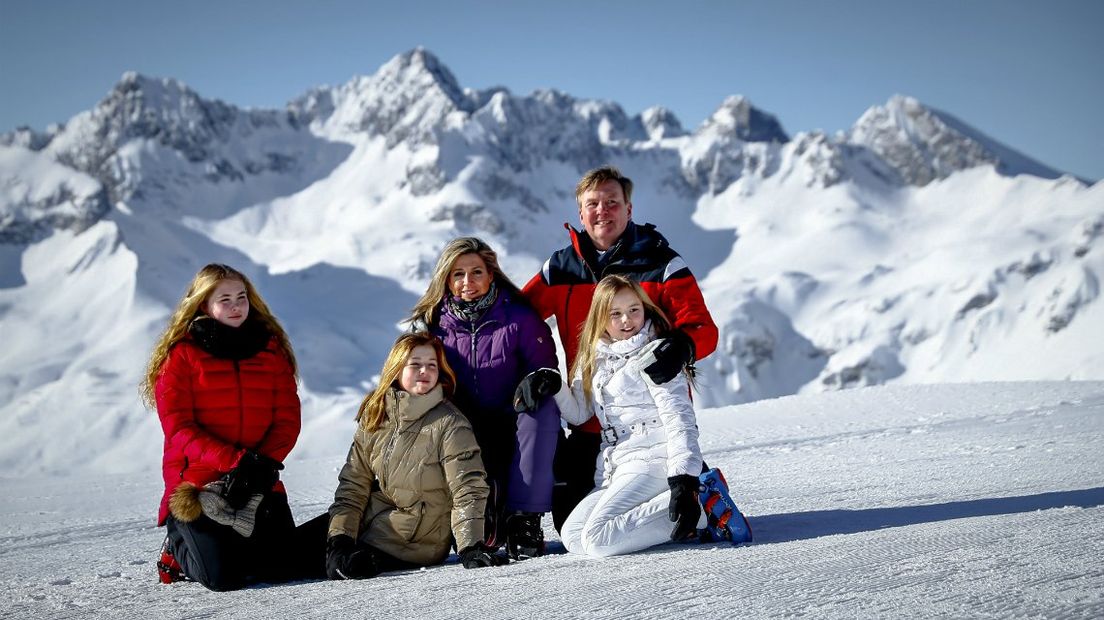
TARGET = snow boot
(524,535)
(168,569)
(724,519)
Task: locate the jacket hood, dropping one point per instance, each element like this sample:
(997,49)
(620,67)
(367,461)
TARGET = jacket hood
(406,408)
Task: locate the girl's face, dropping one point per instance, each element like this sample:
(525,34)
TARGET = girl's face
(419,375)
(626,315)
(228,304)
(469,278)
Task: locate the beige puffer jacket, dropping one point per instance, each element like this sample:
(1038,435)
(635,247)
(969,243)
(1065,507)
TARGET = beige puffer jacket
(430,476)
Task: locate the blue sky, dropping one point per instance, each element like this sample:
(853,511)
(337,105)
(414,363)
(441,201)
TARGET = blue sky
(1026,73)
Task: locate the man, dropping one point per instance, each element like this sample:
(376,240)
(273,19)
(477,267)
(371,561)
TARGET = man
(612,243)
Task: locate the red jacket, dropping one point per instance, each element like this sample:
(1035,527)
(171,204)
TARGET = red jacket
(214,409)
(565,287)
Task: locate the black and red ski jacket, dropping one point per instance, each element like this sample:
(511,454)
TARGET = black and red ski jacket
(565,286)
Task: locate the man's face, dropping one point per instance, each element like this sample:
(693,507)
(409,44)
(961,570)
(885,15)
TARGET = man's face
(604,213)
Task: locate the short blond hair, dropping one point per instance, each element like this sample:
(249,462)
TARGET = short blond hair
(597,176)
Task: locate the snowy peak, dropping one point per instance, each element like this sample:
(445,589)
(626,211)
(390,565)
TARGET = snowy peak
(924,144)
(737,118)
(420,70)
(737,140)
(406,100)
(659,123)
(165,110)
(40,195)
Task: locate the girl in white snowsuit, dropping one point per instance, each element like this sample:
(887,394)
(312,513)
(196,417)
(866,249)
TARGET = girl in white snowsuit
(648,466)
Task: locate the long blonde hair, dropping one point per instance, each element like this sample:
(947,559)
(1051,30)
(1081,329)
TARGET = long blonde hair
(594,329)
(191,306)
(438,285)
(373,408)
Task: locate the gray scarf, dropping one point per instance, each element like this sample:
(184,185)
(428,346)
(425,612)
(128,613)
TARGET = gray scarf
(471,311)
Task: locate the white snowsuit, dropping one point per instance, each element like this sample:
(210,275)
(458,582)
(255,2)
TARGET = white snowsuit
(649,434)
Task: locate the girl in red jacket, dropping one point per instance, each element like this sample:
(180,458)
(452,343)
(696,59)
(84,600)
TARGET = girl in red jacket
(223,379)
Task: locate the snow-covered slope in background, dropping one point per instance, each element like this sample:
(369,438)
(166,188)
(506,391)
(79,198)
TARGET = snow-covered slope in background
(908,249)
(968,500)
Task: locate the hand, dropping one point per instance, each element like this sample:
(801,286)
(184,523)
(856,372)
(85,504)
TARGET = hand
(684,509)
(535,387)
(345,561)
(674,352)
(480,556)
(254,474)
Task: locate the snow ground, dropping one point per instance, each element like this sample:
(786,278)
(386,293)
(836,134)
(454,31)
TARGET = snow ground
(978,500)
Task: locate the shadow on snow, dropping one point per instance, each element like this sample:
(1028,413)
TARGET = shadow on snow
(794,526)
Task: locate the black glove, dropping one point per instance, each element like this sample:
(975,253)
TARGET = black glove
(254,474)
(534,388)
(684,509)
(480,555)
(674,352)
(344,560)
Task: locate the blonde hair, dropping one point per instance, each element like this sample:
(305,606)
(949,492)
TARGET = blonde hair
(438,284)
(596,177)
(594,328)
(191,307)
(373,409)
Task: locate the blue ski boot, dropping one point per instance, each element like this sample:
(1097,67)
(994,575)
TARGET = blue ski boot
(725,521)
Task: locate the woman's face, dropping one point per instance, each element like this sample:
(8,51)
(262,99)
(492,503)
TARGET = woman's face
(469,278)
(419,375)
(228,304)
(626,315)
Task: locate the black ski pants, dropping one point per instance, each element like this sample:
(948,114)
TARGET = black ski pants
(221,559)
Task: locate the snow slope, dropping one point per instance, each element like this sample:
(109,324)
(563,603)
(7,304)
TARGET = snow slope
(964,500)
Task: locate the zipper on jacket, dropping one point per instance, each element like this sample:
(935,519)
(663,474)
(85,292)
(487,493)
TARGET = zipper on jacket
(394,437)
(184,468)
(241,402)
(472,357)
(564,329)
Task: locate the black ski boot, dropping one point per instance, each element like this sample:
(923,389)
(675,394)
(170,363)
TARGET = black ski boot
(524,535)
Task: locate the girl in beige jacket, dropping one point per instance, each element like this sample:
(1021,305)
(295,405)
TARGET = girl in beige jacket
(414,479)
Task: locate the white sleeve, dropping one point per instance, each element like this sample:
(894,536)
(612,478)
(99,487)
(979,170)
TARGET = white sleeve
(679,423)
(572,402)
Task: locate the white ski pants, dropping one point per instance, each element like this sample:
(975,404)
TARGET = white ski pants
(628,514)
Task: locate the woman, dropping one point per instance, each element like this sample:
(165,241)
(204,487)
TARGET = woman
(223,379)
(500,349)
(413,481)
(648,467)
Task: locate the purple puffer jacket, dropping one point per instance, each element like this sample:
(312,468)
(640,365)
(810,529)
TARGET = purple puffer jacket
(490,358)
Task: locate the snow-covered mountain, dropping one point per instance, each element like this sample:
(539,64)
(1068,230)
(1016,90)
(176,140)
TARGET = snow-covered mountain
(910,248)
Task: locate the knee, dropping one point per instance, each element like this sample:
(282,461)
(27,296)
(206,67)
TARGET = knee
(219,581)
(596,550)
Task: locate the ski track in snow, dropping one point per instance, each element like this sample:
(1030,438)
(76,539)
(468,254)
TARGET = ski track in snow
(979,500)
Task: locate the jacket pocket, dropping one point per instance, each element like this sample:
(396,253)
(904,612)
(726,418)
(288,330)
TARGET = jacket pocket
(407,520)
